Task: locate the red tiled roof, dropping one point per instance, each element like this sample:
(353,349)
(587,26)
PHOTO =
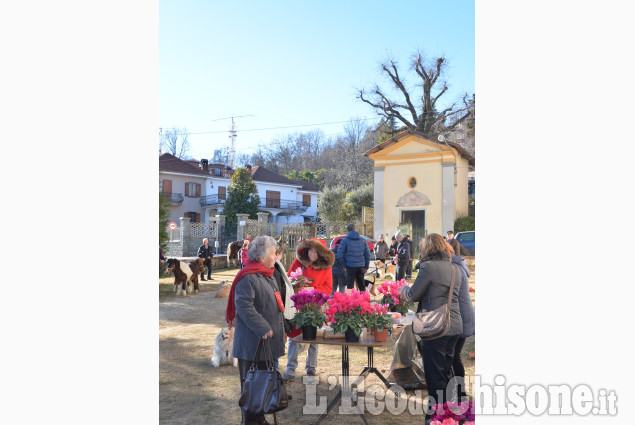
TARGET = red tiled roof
(168,162)
(404,134)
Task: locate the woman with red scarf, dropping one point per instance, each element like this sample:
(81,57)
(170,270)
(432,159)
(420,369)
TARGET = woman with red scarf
(316,260)
(255,307)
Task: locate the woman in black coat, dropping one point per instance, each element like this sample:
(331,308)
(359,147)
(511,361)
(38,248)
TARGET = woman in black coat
(431,289)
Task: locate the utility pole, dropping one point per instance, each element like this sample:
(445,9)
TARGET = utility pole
(160,139)
(231,151)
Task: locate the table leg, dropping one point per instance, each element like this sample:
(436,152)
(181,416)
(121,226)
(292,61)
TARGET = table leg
(345,388)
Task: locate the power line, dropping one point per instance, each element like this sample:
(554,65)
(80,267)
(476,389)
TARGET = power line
(272,128)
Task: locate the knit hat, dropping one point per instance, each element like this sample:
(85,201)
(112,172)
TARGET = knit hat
(398,235)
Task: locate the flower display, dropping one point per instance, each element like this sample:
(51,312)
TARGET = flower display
(453,413)
(304,298)
(391,292)
(298,280)
(308,305)
(378,317)
(349,311)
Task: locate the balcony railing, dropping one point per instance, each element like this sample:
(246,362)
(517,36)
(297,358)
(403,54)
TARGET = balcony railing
(283,204)
(173,197)
(211,200)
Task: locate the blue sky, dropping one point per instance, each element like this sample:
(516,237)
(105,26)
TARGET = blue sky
(290,63)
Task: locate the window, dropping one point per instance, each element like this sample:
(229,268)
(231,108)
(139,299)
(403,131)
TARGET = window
(273,199)
(222,193)
(194,217)
(217,171)
(306,200)
(192,190)
(166,187)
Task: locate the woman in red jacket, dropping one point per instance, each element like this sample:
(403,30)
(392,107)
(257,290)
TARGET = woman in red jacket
(316,260)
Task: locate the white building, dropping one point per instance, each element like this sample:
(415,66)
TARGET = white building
(199,192)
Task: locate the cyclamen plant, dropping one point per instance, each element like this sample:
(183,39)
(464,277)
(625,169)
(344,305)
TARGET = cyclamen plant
(391,292)
(298,280)
(453,413)
(308,305)
(349,311)
(379,318)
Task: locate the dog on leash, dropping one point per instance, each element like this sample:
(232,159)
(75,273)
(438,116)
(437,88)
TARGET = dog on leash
(223,344)
(223,291)
(385,270)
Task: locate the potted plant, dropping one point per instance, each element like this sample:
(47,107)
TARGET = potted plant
(391,292)
(453,413)
(379,321)
(348,312)
(309,314)
(298,280)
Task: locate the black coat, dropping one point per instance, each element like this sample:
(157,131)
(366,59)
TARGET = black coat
(205,252)
(403,252)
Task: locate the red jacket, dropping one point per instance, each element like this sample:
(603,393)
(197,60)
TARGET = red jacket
(320,271)
(322,279)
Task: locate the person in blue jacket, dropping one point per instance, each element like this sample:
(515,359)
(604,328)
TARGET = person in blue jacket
(354,255)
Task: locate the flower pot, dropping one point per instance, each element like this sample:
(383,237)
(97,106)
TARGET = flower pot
(380,336)
(351,336)
(309,333)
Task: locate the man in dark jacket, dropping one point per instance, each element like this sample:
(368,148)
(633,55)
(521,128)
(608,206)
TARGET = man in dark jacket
(354,255)
(206,252)
(402,254)
(412,250)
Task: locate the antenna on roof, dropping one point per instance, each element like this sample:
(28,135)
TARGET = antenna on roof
(231,149)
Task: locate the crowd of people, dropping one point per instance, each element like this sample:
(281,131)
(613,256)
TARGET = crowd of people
(260,306)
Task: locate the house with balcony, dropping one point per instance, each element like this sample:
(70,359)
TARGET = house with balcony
(286,200)
(184,184)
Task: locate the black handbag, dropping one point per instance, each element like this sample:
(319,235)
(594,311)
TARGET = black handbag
(436,323)
(264,391)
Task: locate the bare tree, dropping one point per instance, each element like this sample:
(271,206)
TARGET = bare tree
(418,109)
(175,141)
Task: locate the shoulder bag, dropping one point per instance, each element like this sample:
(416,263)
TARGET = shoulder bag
(264,391)
(436,323)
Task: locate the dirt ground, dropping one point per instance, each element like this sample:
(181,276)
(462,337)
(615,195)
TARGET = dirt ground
(193,392)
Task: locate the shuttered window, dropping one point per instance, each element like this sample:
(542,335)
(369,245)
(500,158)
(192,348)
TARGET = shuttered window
(166,187)
(273,199)
(306,200)
(192,190)
(222,192)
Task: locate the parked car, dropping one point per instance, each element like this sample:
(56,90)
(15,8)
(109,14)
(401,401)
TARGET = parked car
(466,239)
(369,241)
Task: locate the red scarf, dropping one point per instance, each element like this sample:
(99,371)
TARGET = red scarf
(250,267)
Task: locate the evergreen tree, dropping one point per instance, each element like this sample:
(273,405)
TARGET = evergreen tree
(164,218)
(242,196)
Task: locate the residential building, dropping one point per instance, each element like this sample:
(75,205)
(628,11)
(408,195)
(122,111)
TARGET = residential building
(286,200)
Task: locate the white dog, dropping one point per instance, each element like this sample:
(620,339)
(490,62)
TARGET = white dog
(223,344)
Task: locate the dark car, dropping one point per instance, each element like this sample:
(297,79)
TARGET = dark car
(466,239)
(369,241)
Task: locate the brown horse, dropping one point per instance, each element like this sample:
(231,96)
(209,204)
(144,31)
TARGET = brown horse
(232,254)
